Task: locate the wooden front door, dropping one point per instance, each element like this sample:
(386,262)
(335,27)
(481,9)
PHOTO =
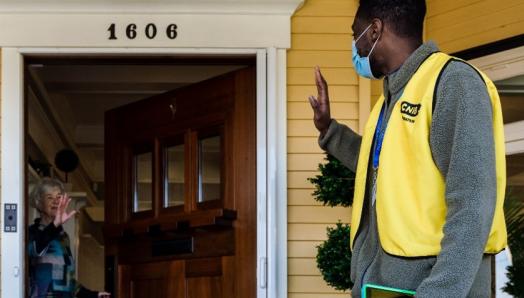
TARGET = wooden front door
(180,205)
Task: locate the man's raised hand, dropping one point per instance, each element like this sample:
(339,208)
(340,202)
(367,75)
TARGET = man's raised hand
(320,104)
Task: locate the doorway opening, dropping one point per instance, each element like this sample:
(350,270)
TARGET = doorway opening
(161,208)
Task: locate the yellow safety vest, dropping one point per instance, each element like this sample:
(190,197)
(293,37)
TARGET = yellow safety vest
(410,194)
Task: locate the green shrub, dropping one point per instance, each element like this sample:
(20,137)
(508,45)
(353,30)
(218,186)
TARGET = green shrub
(334,187)
(334,258)
(335,184)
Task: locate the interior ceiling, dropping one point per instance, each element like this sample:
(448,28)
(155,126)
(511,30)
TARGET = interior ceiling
(81,94)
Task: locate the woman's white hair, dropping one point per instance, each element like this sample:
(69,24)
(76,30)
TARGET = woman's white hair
(42,188)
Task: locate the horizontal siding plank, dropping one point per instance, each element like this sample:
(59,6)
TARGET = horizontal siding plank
(304,162)
(306,128)
(303,266)
(299,179)
(308,284)
(303,110)
(376,90)
(301,197)
(334,76)
(344,8)
(437,7)
(314,24)
(477,9)
(301,93)
(303,145)
(488,36)
(308,232)
(321,58)
(302,249)
(322,41)
(479,25)
(317,214)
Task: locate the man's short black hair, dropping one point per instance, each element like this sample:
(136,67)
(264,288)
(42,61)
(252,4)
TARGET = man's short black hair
(405,17)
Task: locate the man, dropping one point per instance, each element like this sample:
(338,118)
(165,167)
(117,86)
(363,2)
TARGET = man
(430,168)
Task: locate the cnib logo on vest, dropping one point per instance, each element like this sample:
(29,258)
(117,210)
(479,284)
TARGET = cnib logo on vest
(409,108)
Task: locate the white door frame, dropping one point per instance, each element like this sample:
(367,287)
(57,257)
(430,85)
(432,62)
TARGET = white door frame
(271,158)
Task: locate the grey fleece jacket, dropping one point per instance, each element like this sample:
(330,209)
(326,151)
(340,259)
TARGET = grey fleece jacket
(462,145)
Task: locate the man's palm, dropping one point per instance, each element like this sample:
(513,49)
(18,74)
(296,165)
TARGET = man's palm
(320,104)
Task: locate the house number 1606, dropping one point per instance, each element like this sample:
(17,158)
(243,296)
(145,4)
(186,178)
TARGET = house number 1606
(150,31)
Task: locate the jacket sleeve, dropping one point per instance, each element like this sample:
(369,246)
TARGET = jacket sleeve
(463,148)
(41,238)
(343,143)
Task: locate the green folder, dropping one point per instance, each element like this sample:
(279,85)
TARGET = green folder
(376,291)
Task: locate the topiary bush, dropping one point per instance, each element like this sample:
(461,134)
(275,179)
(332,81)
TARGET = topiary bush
(334,258)
(334,187)
(335,184)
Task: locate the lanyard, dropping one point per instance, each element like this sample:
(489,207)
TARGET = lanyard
(379,137)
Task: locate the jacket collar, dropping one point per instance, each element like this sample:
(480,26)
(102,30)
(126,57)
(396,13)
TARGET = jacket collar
(396,81)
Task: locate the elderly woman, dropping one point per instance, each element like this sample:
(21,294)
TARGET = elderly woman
(51,264)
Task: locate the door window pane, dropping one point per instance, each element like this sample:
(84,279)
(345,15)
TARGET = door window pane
(143,178)
(174,176)
(209,178)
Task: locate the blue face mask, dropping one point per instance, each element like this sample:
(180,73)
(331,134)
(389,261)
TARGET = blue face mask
(362,64)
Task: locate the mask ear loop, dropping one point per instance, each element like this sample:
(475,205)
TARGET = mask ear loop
(362,34)
(374,44)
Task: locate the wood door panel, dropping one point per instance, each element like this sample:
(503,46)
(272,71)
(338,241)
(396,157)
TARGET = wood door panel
(154,257)
(146,288)
(157,279)
(204,287)
(222,242)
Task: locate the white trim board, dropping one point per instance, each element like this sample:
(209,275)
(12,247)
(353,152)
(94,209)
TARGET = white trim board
(100,23)
(192,30)
(514,135)
(12,174)
(502,65)
(271,157)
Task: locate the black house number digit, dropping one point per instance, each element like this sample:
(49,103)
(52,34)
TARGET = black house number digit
(150,31)
(111,30)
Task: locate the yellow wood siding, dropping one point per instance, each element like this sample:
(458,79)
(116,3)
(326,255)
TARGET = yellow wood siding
(321,35)
(376,90)
(462,24)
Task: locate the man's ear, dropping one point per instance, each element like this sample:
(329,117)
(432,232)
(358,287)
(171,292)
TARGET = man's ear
(377,27)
